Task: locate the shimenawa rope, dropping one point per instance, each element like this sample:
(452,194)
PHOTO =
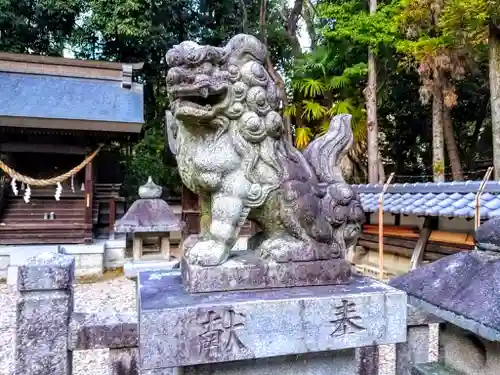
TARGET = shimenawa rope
(16,176)
(51,181)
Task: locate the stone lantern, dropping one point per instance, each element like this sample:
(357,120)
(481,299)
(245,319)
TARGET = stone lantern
(149,216)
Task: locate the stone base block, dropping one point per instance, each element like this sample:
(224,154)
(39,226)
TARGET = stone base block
(114,252)
(247,271)
(341,362)
(132,268)
(177,329)
(433,369)
(89,259)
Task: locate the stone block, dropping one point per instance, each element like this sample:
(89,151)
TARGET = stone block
(123,361)
(103,330)
(92,261)
(468,353)
(42,334)
(178,329)
(4,264)
(342,362)
(89,259)
(414,350)
(47,271)
(20,254)
(163,371)
(247,271)
(114,253)
(433,369)
(132,269)
(43,312)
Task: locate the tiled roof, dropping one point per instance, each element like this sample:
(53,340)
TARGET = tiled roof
(449,199)
(58,97)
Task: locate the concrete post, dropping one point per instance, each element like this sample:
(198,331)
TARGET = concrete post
(44,307)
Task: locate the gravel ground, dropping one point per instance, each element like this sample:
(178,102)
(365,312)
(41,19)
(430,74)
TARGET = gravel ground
(117,294)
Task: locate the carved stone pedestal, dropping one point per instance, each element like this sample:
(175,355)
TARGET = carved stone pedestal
(300,330)
(247,271)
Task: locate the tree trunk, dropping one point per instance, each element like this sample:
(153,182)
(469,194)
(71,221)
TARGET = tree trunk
(371,112)
(451,146)
(308,14)
(291,24)
(494,67)
(275,76)
(437,135)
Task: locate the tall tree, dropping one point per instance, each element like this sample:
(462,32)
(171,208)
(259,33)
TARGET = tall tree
(477,22)
(371,107)
(440,61)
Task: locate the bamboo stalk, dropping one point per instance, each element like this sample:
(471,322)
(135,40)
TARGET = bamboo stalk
(477,210)
(381,227)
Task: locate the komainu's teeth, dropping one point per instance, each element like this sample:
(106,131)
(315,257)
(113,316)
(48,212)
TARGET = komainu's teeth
(204,92)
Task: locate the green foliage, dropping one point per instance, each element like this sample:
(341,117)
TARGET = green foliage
(353,23)
(147,160)
(469,19)
(39,27)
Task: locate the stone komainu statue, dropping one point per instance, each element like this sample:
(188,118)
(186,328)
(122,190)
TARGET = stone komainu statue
(227,136)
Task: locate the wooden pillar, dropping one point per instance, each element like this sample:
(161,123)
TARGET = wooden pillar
(112,218)
(89,199)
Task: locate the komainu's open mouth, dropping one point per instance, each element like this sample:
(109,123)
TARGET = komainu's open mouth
(198,102)
(204,101)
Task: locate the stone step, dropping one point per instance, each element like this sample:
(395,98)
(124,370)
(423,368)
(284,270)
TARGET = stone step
(433,368)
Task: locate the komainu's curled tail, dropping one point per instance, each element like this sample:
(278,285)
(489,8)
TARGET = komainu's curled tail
(339,203)
(325,153)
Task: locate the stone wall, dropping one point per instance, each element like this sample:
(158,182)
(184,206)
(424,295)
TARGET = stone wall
(48,331)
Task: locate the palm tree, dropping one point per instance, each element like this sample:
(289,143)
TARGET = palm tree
(320,94)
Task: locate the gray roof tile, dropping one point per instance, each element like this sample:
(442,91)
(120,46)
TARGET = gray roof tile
(57,97)
(449,199)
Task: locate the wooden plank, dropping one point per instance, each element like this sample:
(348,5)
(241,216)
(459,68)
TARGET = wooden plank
(456,238)
(418,252)
(433,246)
(43,148)
(374,227)
(89,191)
(396,250)
(46,225)
(451,237)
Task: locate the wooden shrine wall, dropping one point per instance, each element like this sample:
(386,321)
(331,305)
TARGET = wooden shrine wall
(191,214)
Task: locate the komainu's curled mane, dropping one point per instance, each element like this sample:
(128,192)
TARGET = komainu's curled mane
(227,136)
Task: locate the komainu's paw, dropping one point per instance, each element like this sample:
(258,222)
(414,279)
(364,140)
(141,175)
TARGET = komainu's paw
(207,253)
(282,249)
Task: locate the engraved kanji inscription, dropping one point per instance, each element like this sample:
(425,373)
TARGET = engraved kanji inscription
(219,334)
(346,319)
